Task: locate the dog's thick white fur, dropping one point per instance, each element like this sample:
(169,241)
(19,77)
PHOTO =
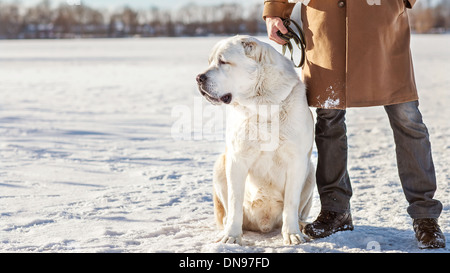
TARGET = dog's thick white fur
(260,187)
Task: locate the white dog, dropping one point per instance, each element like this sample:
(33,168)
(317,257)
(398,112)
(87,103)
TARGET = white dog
(260,186)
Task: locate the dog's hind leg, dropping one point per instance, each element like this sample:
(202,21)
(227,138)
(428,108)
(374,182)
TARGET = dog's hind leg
(220,195)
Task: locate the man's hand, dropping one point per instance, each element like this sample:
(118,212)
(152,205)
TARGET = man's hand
(273,25)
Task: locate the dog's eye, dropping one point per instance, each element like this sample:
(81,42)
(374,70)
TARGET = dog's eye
(221,62)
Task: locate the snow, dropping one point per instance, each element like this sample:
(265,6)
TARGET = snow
(331,103)
(88,162)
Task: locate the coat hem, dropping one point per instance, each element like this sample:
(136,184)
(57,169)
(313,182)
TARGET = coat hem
(367,103)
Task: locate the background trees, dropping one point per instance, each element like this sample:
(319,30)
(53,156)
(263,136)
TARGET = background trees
(44,20)
(426,18)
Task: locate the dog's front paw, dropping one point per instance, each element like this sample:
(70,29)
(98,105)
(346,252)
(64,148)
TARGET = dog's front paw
(294,238)
(231,237)
(228,239)
(232,234)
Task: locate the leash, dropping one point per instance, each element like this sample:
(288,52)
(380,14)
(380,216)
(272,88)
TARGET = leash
(299,39)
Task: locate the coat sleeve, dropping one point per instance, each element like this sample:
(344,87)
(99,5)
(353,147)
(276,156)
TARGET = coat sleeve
(277,8)
(409,3)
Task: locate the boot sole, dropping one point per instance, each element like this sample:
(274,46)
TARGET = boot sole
(344,227)
(439,243)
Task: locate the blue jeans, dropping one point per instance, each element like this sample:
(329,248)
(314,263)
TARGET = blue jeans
(414,160)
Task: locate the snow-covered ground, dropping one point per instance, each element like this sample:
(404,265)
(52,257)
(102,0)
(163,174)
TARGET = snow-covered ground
(88,161)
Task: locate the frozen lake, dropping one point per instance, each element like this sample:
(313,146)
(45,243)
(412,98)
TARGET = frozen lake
(88,162)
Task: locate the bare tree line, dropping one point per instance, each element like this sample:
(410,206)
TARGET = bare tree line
(69,21)
(426,18)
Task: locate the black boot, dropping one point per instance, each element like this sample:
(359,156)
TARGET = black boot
(428,233)
(327,223)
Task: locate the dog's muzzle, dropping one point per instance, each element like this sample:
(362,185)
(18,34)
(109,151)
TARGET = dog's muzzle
(201,81)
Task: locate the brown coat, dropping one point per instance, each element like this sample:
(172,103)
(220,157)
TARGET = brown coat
(357,54)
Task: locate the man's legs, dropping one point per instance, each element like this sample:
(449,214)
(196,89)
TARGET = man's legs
(416,171)
(415,167)
(333,182)
(414,160)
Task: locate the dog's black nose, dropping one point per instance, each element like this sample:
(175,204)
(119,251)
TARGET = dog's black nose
(201,78)
(226,98)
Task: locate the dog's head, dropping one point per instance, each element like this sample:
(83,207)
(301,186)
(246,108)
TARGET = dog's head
(236,72)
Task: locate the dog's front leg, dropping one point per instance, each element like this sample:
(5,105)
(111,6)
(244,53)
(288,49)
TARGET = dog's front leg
(294,184)
(237,172)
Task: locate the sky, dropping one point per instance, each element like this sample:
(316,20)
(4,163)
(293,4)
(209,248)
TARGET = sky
(164,4)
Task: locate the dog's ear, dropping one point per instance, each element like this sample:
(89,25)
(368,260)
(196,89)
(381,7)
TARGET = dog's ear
(249,47)
(255,51)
